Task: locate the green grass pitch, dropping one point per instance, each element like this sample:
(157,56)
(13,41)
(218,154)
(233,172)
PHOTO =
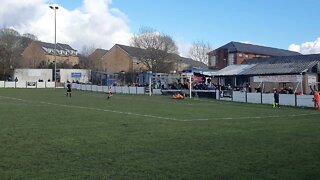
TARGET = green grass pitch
(46,135)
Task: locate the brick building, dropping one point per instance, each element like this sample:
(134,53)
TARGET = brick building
(38,53)
(95,59)
(297,72)
(236,53)
(126,58)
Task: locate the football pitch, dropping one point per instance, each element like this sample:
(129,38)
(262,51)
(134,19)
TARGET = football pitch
(46,135)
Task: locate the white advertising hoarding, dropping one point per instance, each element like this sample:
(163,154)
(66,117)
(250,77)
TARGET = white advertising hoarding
(280,78)
(33,75)
(74,75)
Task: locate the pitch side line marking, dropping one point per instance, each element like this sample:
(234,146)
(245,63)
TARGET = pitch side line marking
(20,104)
(97,109)
(165,118)
(253,117)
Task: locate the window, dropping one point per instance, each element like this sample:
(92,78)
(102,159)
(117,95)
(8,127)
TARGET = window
(240,55)
(213,60)
(246,55)
(46,49)
(231,59)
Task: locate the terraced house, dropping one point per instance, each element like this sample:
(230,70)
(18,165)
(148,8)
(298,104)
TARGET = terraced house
(127,59)
(95,59)
(39,54)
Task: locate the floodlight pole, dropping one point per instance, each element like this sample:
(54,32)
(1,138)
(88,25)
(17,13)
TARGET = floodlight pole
(55,8)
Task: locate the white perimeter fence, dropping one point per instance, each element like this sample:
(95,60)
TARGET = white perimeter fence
(114,89)
(263,98)
(26,84)
(237,96)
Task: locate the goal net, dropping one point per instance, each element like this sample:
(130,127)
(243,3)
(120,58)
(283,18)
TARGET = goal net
(186,84)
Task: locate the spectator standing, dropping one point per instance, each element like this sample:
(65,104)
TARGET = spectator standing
(276,98)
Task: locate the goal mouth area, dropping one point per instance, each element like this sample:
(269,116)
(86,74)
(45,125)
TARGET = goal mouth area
(194,93)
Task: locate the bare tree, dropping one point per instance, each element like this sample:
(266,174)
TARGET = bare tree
(84,61)
(199,51)
(37,60)
(4,56)
(12,44)
(11,50)
(26,39)
(157,49)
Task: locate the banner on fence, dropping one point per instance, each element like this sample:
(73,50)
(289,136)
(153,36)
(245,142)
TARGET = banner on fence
(31,83)
(280,78)
(76,74)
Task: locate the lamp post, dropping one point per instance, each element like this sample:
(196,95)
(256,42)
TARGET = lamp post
(124,77)
(132,73)
(134,70)
(55,8)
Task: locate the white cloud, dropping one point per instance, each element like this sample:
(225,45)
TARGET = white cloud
(95,23)
(294,47)
(14,12)
(247,42)
(184,48)
(307,47)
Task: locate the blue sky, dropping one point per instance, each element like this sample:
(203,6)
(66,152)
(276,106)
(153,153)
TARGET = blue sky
(286,24)
(276,23)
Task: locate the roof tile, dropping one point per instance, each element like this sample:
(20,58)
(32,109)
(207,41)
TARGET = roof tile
(256,49)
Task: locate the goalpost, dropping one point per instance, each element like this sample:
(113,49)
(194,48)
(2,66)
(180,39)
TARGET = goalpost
(159,83)
(150,86)
(186,84)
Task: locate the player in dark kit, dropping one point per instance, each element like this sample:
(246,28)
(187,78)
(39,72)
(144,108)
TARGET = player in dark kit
(109,92)
(69,90)
(276,98)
